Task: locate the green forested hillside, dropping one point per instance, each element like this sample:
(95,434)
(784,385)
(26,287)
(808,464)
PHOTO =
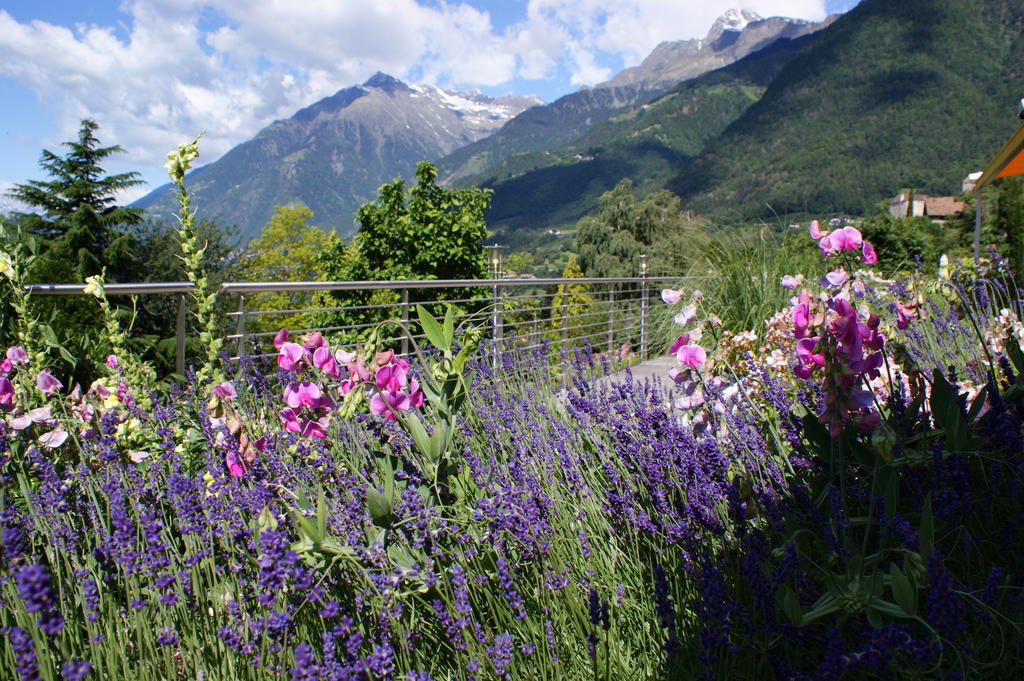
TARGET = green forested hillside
(893,94)
(912,93)
(647,144)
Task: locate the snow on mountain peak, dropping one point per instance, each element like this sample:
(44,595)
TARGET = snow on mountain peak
(737,19)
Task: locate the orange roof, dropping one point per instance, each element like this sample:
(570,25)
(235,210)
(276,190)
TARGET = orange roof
(1008,162)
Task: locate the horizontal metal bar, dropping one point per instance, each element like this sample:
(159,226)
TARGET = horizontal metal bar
(112,289)
(266,287)
(300,286)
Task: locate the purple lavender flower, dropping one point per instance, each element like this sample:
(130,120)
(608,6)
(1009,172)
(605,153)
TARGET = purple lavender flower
(75,669)
(501,654)
(34,587)
(167,636)
(24,649)
(307,667)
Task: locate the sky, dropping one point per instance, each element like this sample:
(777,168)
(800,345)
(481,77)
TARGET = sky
(154,73)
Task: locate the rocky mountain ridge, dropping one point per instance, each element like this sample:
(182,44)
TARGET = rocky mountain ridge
(335,153)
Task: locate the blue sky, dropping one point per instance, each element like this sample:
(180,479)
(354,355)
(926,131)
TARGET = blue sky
(153,73)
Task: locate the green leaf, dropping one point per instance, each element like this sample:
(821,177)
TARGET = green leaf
(979,403)
(1013,351)
(50,336)
(826,605)
(379,507)
(321,514)
(448,329)
(945,405)
(418,433)
(926,527)
(886,608)
(790,605)
(431,329)
(67,355)
(903,592)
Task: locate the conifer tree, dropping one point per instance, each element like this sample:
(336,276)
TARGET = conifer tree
(77,220)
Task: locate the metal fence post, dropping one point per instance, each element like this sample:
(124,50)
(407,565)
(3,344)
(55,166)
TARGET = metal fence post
(643,307)
(611,317)
(240,328)
(179,337)
(405,322)
(497,323)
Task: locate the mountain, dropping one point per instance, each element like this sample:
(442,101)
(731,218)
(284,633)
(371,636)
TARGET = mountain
(333,155)
(891,94)
(913,93)
(733,36)
(648,143)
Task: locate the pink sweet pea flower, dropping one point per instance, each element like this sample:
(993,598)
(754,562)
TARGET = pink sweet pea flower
(344,356)
(678,343)
(17,355)
(358,371)
(789,281)
(801,319)
(685,315)
(312,341)
(392,376)
(805,352)
(6,394)
(324,360)
(671,296)
(904,313)
(868,255)
(53,439)
(112,361)
(291,357)
(692,356)
(235,464)
(815,230)
(47,383)
(302,394)
(834,279)
(317,428)
(280,338)
(844,239)
(290,420)
(225,391)
(415,394)
(397,401)
(98,390)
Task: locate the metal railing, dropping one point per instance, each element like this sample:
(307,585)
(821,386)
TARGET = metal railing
(522,313)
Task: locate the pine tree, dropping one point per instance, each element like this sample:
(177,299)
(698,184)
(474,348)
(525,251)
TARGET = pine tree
(78,221)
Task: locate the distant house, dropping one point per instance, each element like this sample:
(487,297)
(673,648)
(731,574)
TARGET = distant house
(968,184)
(938,208)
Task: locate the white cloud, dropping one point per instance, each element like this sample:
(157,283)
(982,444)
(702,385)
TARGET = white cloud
(231,66)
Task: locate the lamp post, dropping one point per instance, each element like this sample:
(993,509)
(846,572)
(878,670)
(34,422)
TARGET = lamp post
(495,256)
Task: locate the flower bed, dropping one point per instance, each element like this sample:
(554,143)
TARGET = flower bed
(854,511)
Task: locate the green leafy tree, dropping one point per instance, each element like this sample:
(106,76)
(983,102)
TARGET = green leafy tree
(429,232)
(288,249)
(625,227)
(77,218)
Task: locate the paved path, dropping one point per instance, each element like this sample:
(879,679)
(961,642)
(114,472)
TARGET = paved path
(655,369)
